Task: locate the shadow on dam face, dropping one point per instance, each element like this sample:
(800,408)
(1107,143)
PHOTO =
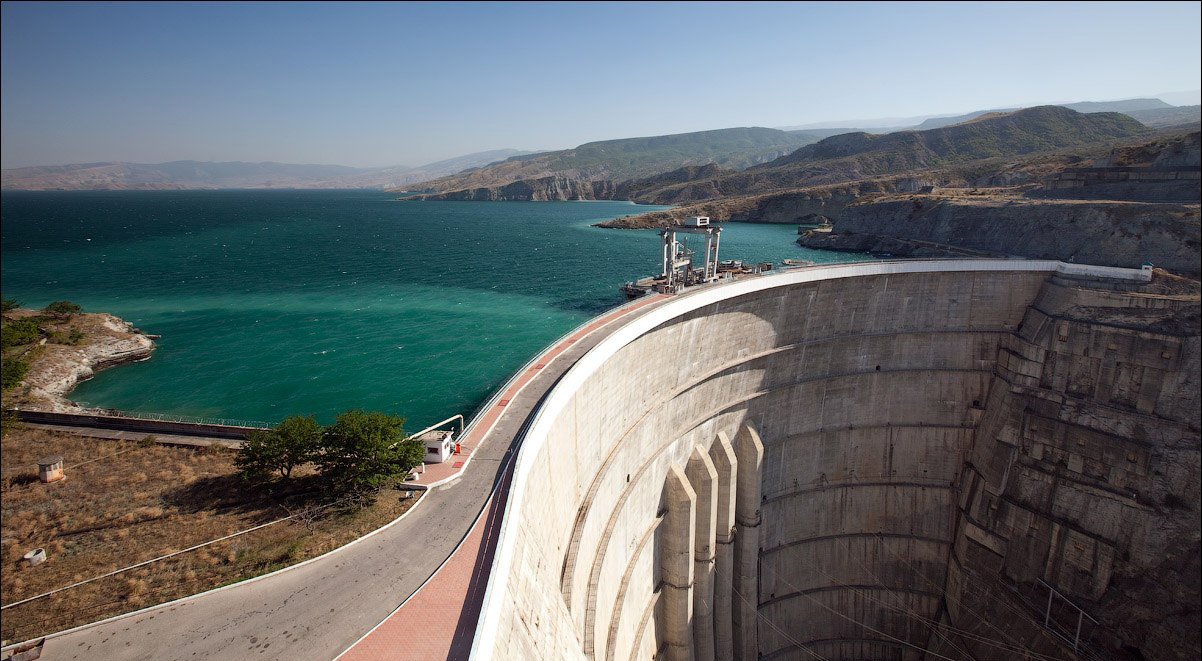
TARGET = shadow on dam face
(889,462)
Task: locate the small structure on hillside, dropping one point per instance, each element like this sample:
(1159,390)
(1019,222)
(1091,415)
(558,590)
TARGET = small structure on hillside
(439,444)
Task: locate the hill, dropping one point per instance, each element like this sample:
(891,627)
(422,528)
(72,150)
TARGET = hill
(165,176)
(1003,134)
(179,175)
(840,158)
(856,156)
(1125,106)
(621,160)
(1165,117)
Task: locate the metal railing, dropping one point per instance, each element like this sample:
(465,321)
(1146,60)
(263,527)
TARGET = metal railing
(175,417)
(478,413)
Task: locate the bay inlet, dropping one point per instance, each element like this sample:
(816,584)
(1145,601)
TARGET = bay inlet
(274,303)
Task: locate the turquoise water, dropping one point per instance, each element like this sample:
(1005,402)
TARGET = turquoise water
(273,303)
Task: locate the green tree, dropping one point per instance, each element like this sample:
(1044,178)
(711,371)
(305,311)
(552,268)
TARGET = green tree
(362,450)
(291,443)
(18,332)
(12,370)
(9,304)
(62,309)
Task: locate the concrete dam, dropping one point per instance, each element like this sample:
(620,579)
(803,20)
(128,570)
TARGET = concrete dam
(900,460)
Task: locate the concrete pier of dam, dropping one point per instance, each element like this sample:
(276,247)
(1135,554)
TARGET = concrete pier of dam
(899,460)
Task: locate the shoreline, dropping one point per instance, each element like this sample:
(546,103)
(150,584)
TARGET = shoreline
(58,368)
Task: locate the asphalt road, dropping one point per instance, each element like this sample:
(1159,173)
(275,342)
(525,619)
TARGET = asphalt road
(314,612)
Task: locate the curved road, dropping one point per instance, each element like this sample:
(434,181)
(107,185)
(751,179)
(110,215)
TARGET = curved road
(318,610)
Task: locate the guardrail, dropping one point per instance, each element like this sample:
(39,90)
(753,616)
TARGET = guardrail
(478,413)
(150,425)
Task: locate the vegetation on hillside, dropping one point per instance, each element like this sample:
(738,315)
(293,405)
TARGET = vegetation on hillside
(639,157)
(631,158)
(358,453)
(62,309)
(20,337)
(293,442)
(16,339)
(838,159)
(1025,131)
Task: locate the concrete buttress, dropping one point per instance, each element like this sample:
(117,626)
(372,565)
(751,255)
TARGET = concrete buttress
(676,565)
(725,463)
(704,480)
(749,452)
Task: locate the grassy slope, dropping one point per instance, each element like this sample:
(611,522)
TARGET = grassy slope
(124,502)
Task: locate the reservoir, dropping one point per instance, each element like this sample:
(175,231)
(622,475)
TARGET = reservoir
(275,303)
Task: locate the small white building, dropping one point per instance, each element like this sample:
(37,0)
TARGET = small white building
(696,221)
(440,445)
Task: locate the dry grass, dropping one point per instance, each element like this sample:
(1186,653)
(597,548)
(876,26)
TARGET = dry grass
(136,501)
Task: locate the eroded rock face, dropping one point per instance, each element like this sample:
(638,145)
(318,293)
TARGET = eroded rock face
(531,190)
(1107,233)
(1084,475)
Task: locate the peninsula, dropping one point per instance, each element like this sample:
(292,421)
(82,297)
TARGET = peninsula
(57,352)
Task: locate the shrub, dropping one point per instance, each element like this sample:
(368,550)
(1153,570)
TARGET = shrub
(9,305)
(74,337)
(361,450)
(12,370)
(62,309)
(19,331)
(291,443)
(8,421)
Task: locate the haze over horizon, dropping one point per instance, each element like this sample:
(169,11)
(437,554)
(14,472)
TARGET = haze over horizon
(372,85)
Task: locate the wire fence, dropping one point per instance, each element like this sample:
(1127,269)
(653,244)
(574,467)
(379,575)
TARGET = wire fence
(174,417)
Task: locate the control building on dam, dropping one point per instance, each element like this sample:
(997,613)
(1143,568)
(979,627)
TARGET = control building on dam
(893,460)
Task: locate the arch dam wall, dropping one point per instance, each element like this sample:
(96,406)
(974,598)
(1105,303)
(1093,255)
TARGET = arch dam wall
(878,461)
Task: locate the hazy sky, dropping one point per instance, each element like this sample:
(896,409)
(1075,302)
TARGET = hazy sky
(378,84)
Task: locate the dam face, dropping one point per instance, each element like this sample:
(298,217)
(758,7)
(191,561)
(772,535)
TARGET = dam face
(884,461)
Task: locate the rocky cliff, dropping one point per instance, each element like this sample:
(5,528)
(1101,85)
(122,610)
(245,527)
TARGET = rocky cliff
(1084,476)
(1112,233)
(542,189)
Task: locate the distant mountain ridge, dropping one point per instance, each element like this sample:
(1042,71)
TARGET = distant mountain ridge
(183,175)
(1001,134)
(925,122)
(1125,106)
(632,158)
(840,158)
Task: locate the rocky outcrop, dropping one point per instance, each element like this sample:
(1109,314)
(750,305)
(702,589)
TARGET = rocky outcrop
(1095,232)
(542,189)
(58,368)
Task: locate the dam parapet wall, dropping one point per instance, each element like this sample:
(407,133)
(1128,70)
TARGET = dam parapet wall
(855,397)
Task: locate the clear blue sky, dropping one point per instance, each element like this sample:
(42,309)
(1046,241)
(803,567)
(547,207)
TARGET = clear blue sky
(380,84)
